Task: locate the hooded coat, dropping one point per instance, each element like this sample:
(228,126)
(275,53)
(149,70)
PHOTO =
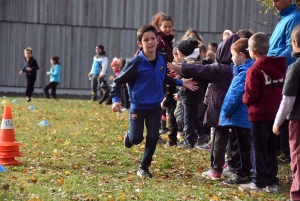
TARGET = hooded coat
(220,74)
(263,88)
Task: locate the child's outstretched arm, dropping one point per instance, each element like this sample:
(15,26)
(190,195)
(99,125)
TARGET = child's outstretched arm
(127,75)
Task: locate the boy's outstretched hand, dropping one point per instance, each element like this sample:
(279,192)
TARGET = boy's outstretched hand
(190,84)
(116,107)
(174,68)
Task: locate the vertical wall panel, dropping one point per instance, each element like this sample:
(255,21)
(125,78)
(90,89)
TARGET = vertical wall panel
(71,29)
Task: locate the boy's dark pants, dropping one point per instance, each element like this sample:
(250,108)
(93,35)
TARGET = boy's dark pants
(265,154)
(52,86)
(240,145)
(191,123)
(151,118)
(283,142)
(220,140)
(30,80)
(240,149)
(294,139)
(172,123)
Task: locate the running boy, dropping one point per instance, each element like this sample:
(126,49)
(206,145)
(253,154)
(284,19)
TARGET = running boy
(30,68)
(264,81)
(145,75)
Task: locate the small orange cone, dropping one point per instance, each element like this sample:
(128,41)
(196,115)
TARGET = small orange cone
(9,147)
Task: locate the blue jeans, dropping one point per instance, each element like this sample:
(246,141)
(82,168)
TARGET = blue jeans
(137,119)
(191,122)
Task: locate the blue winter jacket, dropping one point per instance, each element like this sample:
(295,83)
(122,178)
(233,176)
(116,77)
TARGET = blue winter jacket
(280,41)
(145,82)
(234,112)
(55,73)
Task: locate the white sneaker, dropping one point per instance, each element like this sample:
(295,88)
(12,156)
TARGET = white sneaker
(250,187)
(227,172)
(272,189)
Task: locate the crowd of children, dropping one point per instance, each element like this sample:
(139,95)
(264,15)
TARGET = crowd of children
(232,93)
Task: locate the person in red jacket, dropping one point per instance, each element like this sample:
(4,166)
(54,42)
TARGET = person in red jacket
(263,89)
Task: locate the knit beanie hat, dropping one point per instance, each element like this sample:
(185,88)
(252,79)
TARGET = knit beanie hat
(187,47)
(114,61)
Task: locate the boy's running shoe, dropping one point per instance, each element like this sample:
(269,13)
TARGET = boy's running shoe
(143,172)
(202,139)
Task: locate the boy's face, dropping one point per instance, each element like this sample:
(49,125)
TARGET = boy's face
(148,42)
(212,48)
(203,54)
(236,58)
(180,55)
(28,54)
(251,51)
(176,59)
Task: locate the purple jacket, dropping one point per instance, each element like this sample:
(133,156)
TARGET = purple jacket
(220,74)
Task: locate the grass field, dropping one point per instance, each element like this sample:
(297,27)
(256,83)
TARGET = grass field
(81,156)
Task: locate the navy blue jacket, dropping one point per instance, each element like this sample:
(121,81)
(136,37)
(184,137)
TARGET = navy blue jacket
(32,64)
(145,82)
(234,112)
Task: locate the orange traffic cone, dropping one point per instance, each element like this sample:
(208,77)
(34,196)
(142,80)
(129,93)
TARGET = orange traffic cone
(9,148)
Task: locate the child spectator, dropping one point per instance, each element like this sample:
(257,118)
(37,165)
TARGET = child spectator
(115,67)
(124,92)
(164,25)
(105,91)
(210,55)
(290,108)
(203,51)
(213,46)
(234,115)
(98,71)
(220,75)
(245,33)
(145,75)
(226,34)
(264,81)
(30,68)
(188,52)
(193,33)
(54,77)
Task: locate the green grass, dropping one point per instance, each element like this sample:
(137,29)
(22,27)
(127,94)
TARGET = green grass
(81,157)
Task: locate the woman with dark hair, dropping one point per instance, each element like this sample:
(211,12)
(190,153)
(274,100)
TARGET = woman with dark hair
(54,73)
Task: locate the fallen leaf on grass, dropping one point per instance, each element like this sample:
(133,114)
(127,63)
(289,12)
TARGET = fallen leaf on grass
(5,187)
(130,178)
(67,173)
(61,181)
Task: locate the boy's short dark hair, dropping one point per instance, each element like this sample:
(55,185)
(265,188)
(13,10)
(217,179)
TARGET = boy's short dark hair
(259,42)
(245,33)
(203,48)
(28,49)
(241,45)
(213,44)
(145,28)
